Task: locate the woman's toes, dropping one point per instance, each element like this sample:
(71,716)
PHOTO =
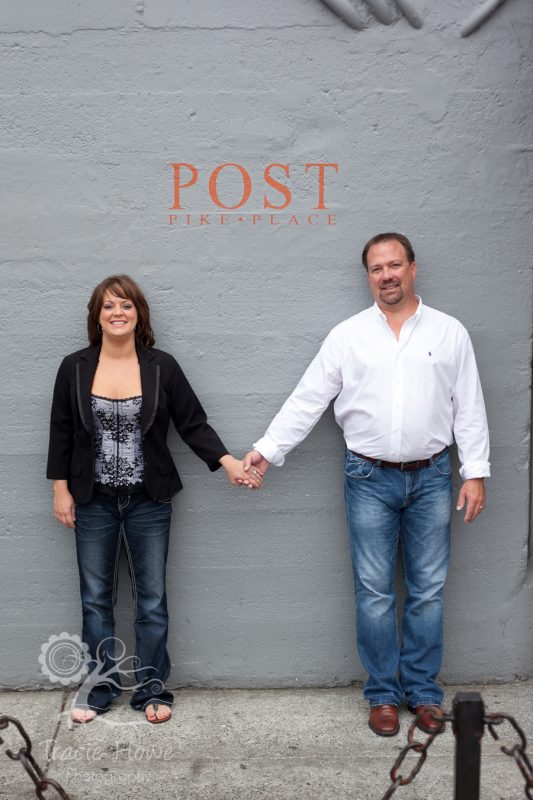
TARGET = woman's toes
(157,712)
(82,714)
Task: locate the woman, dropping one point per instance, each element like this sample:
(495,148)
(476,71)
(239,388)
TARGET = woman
(110,464)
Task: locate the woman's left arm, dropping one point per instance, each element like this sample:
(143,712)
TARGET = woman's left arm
(191,423)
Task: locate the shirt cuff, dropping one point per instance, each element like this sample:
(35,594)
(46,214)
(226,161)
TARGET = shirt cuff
(475,469)
(268,450)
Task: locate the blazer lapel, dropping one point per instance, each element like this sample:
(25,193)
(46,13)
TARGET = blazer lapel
(150,388)
(85,369)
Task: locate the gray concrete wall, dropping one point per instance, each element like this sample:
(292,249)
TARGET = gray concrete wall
(432,135)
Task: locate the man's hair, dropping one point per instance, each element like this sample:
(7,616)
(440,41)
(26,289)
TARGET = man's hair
(126,287)
(388,237)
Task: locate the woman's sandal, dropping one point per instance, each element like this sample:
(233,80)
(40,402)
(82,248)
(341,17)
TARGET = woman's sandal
(153,713)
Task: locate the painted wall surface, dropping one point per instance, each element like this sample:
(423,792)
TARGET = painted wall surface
(431,131)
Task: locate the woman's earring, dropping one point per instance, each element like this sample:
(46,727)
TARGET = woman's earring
(137,328)
(100,329)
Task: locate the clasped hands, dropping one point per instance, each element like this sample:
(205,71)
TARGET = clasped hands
(249,472)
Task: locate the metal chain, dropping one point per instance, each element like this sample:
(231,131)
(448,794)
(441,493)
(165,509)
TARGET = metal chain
(28,762)
(418,747)
(517,751)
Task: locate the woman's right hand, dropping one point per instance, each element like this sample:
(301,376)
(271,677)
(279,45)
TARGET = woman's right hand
(64,505)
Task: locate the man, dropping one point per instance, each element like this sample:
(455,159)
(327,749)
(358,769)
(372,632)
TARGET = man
(406,384)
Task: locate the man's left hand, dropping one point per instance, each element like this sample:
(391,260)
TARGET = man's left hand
(473,493)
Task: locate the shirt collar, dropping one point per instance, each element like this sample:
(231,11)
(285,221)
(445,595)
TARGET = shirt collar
(415,316)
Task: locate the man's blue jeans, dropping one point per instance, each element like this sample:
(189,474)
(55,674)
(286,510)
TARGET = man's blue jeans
(98,538)
(386,505)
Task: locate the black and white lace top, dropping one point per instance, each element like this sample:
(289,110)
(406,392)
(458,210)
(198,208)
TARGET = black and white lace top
(118,456)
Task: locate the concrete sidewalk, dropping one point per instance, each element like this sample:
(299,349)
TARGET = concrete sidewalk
(244,744)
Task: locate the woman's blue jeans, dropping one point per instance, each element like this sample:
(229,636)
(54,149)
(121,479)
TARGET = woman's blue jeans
(386,505)
(98,539)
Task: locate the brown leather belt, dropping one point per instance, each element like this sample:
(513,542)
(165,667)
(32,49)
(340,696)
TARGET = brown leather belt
(405,466)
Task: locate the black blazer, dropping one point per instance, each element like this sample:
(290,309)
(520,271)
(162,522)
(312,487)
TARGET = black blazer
(166,394)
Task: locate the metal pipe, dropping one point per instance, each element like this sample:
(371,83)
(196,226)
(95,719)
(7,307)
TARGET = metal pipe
(410,13)
(479,16)
(381,10)
(346,12)
(468,726)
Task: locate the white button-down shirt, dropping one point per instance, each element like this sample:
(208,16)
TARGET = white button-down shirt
(397,399)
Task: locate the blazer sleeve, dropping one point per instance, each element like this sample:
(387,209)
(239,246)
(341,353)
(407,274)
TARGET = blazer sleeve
(190,420)
(61,428)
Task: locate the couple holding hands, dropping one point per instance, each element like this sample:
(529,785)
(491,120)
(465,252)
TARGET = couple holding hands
(406,385)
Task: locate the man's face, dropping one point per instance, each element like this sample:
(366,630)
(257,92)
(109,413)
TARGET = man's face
(391,275)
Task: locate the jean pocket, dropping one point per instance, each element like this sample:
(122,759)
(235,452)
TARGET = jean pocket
(94,527)
(444,465)
(357,469)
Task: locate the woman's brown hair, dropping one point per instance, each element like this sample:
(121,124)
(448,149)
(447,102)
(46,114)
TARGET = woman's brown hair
(126,287)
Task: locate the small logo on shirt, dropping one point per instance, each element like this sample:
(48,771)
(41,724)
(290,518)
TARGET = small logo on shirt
(429,353)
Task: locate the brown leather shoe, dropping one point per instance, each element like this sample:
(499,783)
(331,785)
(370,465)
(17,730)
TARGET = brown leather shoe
(383,720)
(426,721)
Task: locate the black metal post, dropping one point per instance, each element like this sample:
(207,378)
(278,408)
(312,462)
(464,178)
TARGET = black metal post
(468,725)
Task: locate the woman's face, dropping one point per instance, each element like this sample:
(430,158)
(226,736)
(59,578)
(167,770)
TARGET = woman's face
(118,317)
